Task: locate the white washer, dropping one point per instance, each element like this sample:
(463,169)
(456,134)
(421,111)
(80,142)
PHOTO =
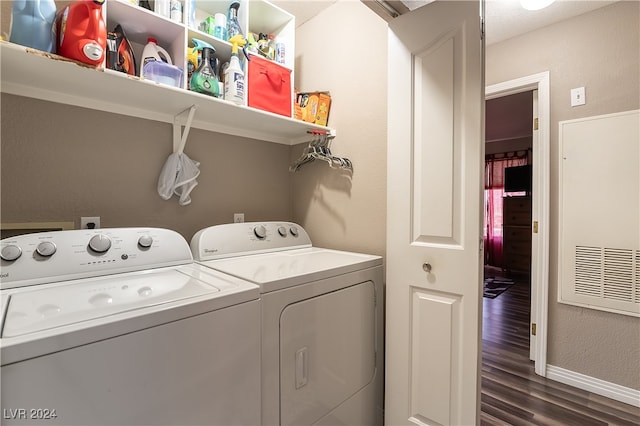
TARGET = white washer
(322,313)
(121,327)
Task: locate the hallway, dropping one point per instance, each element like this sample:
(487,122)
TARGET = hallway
(512,394)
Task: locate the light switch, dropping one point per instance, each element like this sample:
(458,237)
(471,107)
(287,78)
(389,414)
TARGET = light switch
(578,96)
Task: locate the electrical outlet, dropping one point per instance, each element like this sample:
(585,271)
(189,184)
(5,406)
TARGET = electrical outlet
(92,222)
(238,217)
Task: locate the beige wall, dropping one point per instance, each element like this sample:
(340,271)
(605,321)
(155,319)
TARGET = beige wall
(61,162)
(600,51)
(347,45)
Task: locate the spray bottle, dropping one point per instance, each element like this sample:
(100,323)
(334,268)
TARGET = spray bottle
(233,25)
(193,57)
(204,79)
(233,75)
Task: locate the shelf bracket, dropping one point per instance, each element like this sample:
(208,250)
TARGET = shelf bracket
(179,140)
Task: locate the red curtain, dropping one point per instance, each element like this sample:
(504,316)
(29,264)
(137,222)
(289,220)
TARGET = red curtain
(493,193)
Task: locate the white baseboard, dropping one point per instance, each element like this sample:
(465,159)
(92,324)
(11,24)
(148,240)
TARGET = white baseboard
(591,384)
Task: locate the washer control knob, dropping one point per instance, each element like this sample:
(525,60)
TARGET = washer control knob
(294,231)
(100,243)
(260,231)
(282,231)
(46,249)
(145,241)
(10,253)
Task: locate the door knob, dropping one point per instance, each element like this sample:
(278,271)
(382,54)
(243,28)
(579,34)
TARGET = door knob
(427,267)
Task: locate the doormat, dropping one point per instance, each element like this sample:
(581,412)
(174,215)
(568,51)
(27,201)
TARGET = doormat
(495,286)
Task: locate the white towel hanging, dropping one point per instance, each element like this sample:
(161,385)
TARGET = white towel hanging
(179,173)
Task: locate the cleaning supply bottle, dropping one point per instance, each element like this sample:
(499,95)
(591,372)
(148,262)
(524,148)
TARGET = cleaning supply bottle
(162,8)
(220,27)
(193,57)
(204,79)
(281,50)
(272,47)
(32,23)
(81,32)
(233,75)
(263,44)
(252,42)
(190,7)
(175,10)
(233,25)
(153,52)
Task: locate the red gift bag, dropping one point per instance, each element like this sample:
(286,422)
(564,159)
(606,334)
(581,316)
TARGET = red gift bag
(269,86)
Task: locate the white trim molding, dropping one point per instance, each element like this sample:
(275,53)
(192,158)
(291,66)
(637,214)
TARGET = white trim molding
(591,384)
(540,212)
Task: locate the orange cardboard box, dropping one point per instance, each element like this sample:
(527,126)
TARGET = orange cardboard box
(313,107)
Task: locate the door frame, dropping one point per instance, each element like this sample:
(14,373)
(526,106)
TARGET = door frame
(540,207)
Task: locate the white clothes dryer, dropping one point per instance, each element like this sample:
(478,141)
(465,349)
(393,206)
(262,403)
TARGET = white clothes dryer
(322,321)
(120,327)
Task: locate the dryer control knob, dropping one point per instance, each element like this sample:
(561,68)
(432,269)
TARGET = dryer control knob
(46,249)
(145,241)
(260,231)
(294,231)
(100,243)
(282,231)
(10,253)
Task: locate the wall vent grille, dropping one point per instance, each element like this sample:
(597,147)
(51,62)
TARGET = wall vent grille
(607,273)
(618,274)
(588,271)
(637,279)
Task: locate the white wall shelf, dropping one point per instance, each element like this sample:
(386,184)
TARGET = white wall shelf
(31,73)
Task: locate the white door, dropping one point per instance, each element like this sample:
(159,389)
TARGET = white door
(434,215)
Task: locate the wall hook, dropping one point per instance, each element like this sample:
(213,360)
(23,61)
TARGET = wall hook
(179,140)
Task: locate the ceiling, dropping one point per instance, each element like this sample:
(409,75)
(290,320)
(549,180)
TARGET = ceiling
(509,116)
(504,18)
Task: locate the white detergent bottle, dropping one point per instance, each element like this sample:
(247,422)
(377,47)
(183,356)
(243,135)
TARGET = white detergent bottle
(234,89)
(153,52)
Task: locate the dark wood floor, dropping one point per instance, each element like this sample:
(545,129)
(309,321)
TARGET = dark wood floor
(512,394)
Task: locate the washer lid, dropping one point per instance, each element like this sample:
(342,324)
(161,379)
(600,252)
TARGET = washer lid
(38,310)
(278,270)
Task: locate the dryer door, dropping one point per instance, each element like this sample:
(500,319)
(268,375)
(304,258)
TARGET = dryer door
(327,352)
